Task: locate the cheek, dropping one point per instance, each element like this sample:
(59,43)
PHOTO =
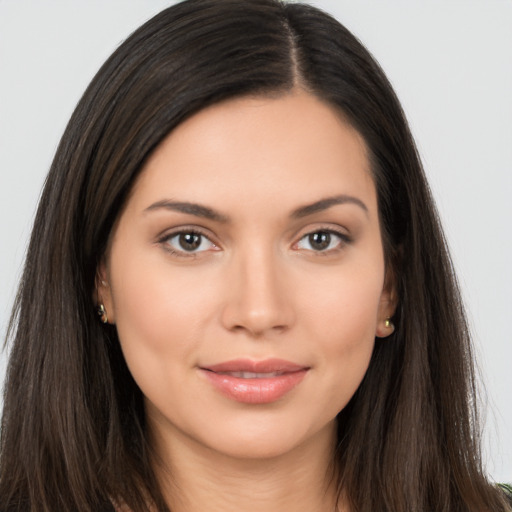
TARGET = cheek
(341,314)
(156,312)
(344,306)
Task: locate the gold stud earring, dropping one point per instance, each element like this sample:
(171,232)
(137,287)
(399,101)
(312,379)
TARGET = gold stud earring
(389,324)
(102,313)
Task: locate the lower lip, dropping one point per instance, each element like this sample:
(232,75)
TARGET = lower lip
(255,391)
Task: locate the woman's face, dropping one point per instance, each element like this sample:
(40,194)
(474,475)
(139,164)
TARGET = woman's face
(246,276)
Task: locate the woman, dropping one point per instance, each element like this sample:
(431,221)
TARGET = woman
(237,293)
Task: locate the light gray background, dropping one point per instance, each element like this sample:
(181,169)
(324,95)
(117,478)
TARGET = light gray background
(451,64)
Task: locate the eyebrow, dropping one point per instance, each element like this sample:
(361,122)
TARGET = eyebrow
(189,208)
(199,210)
(324,204)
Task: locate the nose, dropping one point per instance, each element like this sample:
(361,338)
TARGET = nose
(259,296)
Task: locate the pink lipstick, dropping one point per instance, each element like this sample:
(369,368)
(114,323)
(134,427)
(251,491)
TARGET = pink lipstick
(255,382)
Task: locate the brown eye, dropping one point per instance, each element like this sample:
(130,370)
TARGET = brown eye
(320,240)
(189,241)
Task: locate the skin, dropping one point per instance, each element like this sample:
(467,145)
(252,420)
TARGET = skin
(256,287)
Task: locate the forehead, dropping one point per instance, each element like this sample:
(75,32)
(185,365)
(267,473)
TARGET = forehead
(285,150)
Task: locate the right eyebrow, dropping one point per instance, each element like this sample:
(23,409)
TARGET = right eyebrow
(189,208)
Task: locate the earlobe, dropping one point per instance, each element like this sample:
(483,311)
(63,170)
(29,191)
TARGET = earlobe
(102,313)
(387,308)
(103,300)
(385,328)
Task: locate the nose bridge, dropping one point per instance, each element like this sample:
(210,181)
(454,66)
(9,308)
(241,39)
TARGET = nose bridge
(259,300)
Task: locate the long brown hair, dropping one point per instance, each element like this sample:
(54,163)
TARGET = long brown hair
(73,428)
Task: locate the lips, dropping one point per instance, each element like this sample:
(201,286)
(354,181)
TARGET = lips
(255,382)
(252,375)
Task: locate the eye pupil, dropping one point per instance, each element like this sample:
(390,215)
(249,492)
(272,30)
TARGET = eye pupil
(320,240)
(189,241)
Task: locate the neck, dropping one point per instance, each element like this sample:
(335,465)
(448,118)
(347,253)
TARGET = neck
(194,478)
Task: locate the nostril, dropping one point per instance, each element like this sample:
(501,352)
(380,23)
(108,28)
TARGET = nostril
(259,331)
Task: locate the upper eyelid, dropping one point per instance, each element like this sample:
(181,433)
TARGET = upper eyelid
(164,241)
(342,236)
(345,238)
(330,228)
(171,232)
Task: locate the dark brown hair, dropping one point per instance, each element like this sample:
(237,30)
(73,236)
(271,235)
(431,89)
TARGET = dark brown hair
(73,427)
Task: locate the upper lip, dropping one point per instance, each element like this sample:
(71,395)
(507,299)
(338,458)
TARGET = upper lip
(248,365)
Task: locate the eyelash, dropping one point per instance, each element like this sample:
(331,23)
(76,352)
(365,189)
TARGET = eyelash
(344,239)
(165,242)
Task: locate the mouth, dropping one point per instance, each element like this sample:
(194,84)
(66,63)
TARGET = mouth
(252,375)
(255,382)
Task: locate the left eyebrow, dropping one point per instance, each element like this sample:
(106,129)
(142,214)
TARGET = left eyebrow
(324,204)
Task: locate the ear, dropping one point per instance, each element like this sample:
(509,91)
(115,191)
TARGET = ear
(387,307)
(103,294)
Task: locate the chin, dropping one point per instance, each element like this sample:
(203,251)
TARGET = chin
(264,442)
